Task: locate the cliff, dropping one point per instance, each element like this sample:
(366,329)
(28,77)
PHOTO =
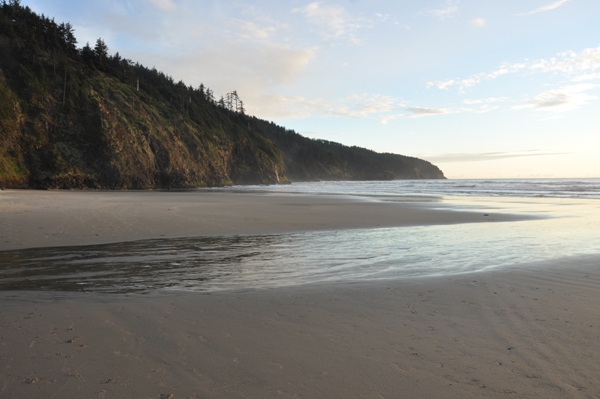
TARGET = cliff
(81,118)
(312,159)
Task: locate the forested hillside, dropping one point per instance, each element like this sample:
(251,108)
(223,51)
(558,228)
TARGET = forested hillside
(82,118)
(310,159)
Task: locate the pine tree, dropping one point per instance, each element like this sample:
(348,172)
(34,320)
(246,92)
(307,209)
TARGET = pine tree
(210,96)
(101,49)
(67,34)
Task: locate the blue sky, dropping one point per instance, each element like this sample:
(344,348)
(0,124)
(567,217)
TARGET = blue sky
(484,89)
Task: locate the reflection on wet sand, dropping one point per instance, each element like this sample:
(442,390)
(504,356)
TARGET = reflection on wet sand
(261,261)
(136,266)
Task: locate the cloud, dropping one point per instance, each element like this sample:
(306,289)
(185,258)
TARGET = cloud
(570,62)
(253,69)
(419,111)
(548,7)
(165,5)
(387,109)
(352,106)
(476,79)
(443,13)
(560,100)
(360,106)
(482,106)
(486,156)
(587,76)
(489,100)
(478,22)
(415,112)
(250,30)
(573,64)
(333,21)
(257,31)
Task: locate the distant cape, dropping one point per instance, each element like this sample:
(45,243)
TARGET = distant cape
(82,118)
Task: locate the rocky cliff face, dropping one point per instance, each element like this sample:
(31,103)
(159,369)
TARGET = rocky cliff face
(117,138)
(80,118)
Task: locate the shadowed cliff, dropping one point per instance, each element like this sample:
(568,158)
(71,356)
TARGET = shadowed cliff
(310,159)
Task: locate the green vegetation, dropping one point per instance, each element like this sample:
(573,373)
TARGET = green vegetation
(308,159)
(82,118)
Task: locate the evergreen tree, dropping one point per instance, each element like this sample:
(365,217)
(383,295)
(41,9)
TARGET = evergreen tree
(210,96)
(101,49)
(68,37)
(87,54)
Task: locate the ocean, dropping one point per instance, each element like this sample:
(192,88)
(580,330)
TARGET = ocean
(566,224)
(517,188)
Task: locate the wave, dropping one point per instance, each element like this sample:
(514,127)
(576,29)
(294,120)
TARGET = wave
(526,188)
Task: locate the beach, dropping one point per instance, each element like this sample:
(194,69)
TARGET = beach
(530,330)
(59,218)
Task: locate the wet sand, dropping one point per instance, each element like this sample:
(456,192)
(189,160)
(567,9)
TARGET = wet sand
(527,331)
(57,218)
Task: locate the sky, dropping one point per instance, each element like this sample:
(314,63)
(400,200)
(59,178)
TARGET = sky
(481,88)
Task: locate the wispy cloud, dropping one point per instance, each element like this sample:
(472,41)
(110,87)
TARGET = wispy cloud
(379,18)
(563,99)
(252,30)
(486,156)
(545,8)
(376,107)
(382,17)
(359,106)
(415,112)
(585,77)
(367,104)
(265,67)
(352,106)
(570,63)
(420,111)
(478,22)
(476,79)
(165,5)
(481,106)
(444,12)
(489,100)
(333,21)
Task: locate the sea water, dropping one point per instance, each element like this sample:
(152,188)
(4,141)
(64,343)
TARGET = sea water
(520,188)
(566,223)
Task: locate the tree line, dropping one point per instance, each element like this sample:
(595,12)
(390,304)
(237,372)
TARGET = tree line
(56,42)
